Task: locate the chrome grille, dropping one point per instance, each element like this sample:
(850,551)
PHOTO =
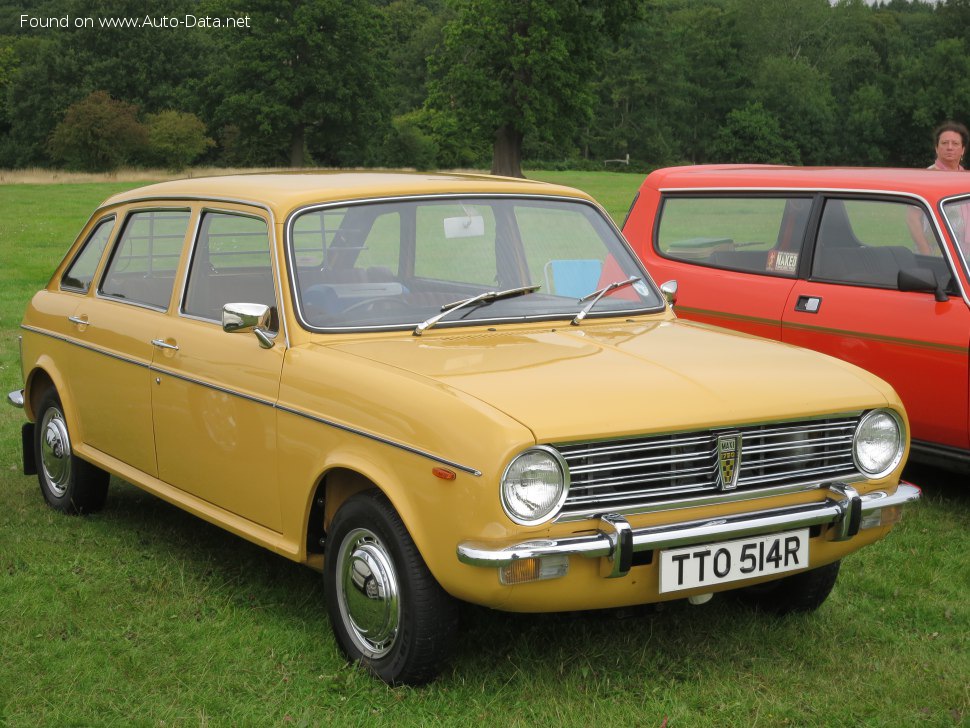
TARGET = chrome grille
(640,473)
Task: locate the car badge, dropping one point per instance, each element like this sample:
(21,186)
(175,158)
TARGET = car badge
(729,459)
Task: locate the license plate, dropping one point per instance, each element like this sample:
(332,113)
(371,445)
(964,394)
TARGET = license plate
(721,563)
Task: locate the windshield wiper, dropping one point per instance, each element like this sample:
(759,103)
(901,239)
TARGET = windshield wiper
(597,295)
(480,299)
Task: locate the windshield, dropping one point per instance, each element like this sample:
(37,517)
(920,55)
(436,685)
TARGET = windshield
(399,264)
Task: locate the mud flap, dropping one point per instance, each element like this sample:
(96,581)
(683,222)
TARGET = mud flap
(27,445)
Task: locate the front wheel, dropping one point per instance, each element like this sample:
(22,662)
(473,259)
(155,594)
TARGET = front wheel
(68,483)
(802,592)
(386,609)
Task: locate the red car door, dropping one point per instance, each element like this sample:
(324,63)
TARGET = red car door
(850,307)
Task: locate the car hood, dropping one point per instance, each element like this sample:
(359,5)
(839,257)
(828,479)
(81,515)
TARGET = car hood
(612,379)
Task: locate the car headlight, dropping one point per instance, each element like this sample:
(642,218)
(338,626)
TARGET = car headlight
(534,485)
(877,446)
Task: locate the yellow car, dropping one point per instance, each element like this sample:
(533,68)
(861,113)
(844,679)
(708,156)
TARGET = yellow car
(436,388)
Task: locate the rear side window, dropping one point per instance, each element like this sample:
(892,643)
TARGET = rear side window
(143,263)
(79,275)
(752,234)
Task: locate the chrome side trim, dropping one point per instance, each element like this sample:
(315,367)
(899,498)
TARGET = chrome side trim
(84,345)
(834,510)
(378,438)
(213,387)
(16,399)
(268,403)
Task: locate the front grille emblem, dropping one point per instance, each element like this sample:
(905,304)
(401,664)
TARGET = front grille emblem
(729,459)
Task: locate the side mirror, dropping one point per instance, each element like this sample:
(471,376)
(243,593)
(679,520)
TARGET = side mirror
(669,289)
(249,318)
(921,280)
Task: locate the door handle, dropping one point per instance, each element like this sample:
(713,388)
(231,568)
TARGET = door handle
(78,320)
(808,304)
(161,344)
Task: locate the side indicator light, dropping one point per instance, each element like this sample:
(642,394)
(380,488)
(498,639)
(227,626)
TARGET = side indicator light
(522,571)
(883,517)
(443,473)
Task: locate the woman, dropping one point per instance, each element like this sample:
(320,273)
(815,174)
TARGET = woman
(951,142)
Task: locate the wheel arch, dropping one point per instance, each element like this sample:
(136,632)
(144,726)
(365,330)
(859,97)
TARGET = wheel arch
(44,376)
(332,489)
(414,493)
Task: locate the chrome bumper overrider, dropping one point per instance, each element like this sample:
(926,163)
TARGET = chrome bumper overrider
(617,541)
(16,398)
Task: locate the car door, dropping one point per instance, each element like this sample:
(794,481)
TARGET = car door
(734,255)
(110,374)
(214,393)
(850,307)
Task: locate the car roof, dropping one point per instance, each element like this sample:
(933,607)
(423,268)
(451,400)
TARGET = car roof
(927,183)
(284,192)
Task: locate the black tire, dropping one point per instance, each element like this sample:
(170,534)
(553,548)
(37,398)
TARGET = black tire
(68,483)
(802,592)
(386,609)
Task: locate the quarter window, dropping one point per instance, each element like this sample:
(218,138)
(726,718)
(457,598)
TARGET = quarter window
(958,218)
(79,275)
(752,234)
(143,263)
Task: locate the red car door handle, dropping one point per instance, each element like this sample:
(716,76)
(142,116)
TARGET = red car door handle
(808,304)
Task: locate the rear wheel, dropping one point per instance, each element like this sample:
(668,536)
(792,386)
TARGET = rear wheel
(803,592)
(68,483)
(386,609)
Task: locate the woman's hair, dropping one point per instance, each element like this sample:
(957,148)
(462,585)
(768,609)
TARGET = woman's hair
(951,126)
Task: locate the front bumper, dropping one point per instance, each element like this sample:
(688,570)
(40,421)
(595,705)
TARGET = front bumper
(844,510)
(16,398)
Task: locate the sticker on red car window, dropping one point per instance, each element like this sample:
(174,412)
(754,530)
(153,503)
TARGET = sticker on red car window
(781,261)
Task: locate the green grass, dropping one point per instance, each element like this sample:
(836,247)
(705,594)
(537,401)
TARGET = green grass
(143,615)
(613,190)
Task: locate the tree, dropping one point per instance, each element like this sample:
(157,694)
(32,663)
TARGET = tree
(99,134)
(512,68)
(668,83)
(753,135)
(303,77)
(177,139)
(153,68)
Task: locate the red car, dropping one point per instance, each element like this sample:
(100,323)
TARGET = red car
(869,265)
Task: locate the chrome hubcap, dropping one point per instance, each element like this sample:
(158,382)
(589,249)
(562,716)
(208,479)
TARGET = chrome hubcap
(55,452)
(367,593)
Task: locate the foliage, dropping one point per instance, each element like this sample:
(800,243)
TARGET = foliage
(452,83)
(754,134)
(511,69)
(176,138)
(304,78)
(153,68)
(407,145)
(99,133)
